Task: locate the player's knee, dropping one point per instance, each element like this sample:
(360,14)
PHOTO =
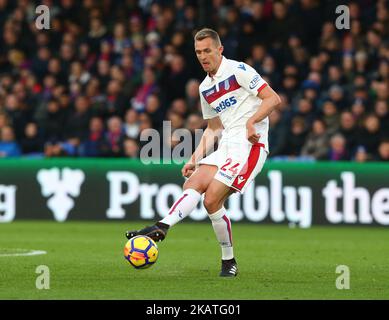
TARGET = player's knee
(211,202)
(187,184)
(196,185)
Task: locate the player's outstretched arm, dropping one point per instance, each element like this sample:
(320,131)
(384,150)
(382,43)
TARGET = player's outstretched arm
(270,101)
(207,141)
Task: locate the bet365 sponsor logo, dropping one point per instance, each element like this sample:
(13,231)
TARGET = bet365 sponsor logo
(225,104)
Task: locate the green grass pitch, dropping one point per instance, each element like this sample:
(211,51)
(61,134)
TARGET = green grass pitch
(86,261)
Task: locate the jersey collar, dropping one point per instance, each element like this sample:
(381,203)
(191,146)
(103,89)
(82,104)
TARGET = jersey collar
(220,70)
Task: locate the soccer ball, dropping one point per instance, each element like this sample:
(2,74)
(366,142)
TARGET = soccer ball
(141,252)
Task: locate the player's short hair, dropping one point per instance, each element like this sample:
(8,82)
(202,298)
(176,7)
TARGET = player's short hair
(208,33)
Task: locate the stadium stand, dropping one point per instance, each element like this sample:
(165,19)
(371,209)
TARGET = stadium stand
(107,70)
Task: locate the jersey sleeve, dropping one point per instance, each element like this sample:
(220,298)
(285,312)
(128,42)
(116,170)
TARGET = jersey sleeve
(249,79)
(207,110)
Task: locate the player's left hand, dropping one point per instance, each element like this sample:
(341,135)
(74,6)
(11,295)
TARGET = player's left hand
(252,134)
(188,169)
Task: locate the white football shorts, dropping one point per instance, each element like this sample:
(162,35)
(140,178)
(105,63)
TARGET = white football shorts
(238,162)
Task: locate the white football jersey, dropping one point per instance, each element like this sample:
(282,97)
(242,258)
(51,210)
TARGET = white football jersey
(231,94)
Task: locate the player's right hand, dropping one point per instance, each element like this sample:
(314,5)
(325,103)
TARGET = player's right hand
(188,169)
(252,135)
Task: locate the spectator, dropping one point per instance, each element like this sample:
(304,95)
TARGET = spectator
(338,149)
(8,145)
(112,145)
(247,39)
(316,145)
(154,109)
(78,121)
(370,135)
(53,121)
(330,116)
(361,155)
(96,33)
(3,120)
(179,106)
(148,87)
(78,74)
(65,148)
(32,143)
(176,120)
(174,79)
(258,53)
(120,38)
(103,68)
(66,55)
(17,116)
(131,148)
(194,122)
(192,94)
(348,129)
(92,145)
(277,134)
(144,122)
(40,63)
(296,137)
(105,51)
(146,132)
(55,69)
(131,124)
(115,101)
(196,126)
(282,25)
(95,97)
(383,151)
(358,110)
(335,77)
(336,95)
(382,112)
(305,111)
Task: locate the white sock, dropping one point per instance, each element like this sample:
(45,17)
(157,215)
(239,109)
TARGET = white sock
(182,207)
(222,227)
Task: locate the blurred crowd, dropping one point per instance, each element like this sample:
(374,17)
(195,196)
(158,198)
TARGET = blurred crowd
(108,71)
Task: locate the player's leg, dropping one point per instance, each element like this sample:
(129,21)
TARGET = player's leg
(217,193)
(194,187)
(215,196)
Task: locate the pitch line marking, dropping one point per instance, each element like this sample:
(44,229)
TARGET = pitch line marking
(16,252)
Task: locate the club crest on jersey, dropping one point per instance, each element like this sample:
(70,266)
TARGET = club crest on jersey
(228,85)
